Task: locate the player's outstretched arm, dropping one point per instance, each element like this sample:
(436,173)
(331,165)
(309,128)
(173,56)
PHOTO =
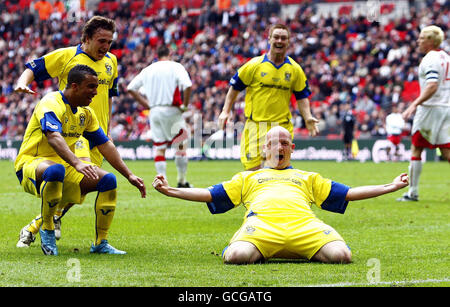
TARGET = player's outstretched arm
(194,194)
(365,192)
(109,151)
(24,80)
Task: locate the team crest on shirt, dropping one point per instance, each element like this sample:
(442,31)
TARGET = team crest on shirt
(263,74)
(108,68)
(287,76)
(82,120)
(79,144)
(250,229)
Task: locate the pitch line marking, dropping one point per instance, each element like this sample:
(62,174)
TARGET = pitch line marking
(351,284)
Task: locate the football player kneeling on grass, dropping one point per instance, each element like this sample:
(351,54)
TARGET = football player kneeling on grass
(279,222)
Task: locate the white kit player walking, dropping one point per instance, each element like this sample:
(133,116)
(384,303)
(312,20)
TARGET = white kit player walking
(162,83)
(431,125)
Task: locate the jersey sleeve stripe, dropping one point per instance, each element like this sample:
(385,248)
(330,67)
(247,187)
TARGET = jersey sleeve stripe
(114,91)
(335,201)
(303,93)
(96,138)
(221,202)
(37,66)
(50,123)
(237,83)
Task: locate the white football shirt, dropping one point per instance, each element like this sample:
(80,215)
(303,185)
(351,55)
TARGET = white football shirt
(162,83)
(394,124)
(435,67)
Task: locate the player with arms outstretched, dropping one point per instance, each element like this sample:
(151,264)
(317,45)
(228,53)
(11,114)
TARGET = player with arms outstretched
(279,221)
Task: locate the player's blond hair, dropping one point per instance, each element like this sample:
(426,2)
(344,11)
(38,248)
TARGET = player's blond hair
(434,33)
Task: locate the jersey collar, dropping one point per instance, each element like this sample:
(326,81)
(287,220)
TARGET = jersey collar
(74,110)
(288,167)
(80,51)
(286,61)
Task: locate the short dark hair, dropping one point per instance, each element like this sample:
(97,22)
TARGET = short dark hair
(78,73)
(95,23)
(162,51)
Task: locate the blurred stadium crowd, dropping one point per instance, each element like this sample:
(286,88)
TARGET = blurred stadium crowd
(348,60)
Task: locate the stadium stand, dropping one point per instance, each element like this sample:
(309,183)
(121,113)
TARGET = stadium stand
(348,58)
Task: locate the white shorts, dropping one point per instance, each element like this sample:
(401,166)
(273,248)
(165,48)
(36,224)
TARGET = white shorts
(167,126)
(433,123)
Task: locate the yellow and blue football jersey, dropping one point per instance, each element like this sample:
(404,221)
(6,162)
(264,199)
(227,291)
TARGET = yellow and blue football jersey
(271,193)
(279,220)
(270,87)
(53,113)
(58,63)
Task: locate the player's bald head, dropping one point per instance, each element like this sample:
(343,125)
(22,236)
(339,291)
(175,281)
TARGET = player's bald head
(278,148)
(277,132)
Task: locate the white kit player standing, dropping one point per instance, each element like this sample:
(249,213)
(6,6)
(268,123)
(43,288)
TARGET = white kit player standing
(162,83)
(431,124)
(394,128)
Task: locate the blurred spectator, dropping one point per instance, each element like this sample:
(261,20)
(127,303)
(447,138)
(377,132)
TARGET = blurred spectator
(44,9)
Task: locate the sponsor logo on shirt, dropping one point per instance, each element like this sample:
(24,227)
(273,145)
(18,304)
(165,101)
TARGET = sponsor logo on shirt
(51,126)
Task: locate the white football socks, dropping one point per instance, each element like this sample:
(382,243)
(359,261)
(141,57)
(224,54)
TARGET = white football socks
(415,169)
(161,167)
(181,162)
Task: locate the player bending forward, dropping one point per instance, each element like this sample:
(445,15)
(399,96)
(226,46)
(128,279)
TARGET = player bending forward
(48,168)
(279,222)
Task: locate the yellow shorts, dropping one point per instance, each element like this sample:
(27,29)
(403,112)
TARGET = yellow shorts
(82,151)
(288,240)
(72,179)
(253,138)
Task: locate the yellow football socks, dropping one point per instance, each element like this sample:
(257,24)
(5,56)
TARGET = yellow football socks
(105,206)
(51,194)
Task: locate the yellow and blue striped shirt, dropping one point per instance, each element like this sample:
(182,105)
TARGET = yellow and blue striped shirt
(53,113)
(287,193)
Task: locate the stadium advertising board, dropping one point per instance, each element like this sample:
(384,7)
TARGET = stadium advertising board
(312,149)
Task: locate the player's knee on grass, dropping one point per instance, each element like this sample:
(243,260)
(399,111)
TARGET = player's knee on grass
(334,252)
(341,255)
(241,253)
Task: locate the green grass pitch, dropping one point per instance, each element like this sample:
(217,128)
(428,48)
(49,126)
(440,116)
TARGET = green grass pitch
(176,243)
